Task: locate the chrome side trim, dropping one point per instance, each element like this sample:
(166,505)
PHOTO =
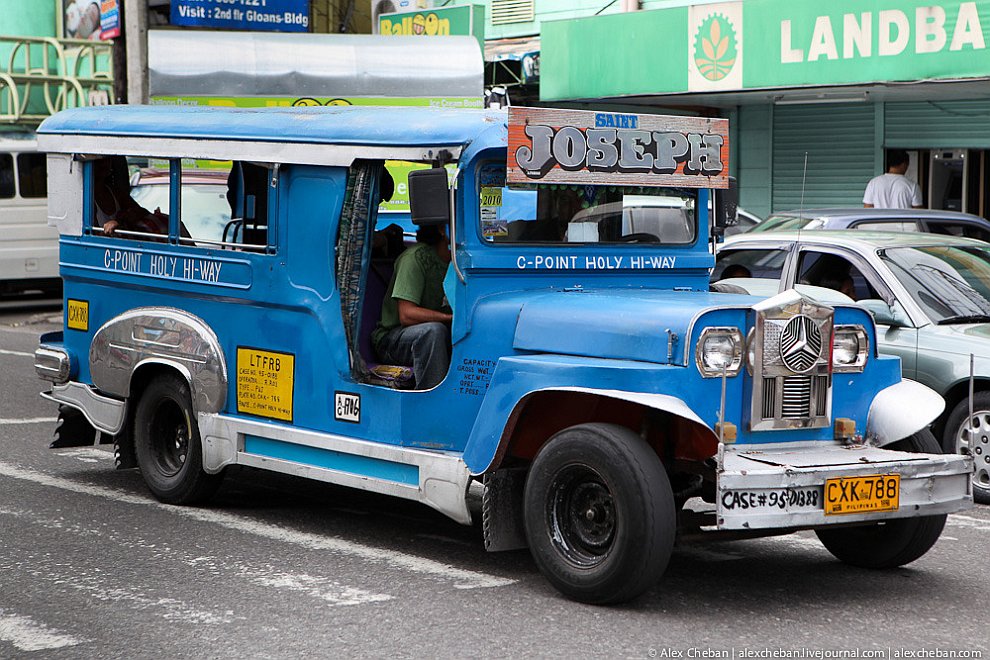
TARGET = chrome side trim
(164,336)
(443,476)
(900,410)
(52,364)
(104,413)
(754,477)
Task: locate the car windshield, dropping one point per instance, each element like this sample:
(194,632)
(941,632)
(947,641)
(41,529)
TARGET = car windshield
(205,209)
(788,222)
(951,284)
(584,214)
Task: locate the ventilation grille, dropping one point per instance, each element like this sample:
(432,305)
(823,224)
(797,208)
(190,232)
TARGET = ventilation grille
(796,397)
(769,397)
(513,11)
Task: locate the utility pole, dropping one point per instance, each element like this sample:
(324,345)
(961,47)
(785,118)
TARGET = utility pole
(136,35)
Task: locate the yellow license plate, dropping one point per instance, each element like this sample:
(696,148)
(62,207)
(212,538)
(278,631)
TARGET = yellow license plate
(877,492)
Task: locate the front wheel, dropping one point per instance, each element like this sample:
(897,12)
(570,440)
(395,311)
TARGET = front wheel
(890,543)
(167,444)
(599,513)
(972,434)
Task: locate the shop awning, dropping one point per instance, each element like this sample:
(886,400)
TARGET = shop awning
(512,61)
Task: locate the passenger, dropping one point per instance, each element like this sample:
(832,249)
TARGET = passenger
(842,284)
(115,208)
(415,326)
(735,270)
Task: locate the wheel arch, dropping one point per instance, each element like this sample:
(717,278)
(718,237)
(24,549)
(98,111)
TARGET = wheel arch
(145,339)
(671,428)
(957,392)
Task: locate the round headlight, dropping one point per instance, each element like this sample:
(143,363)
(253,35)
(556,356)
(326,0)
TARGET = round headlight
(850,347)
(719,349)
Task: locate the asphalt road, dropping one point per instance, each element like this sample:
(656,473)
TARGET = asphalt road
(277,567)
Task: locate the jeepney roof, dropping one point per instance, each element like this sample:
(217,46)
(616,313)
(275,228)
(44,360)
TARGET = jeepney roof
(342,132)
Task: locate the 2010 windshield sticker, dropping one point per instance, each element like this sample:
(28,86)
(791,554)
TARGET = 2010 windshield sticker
(578,147)
(160,265)
(594,262)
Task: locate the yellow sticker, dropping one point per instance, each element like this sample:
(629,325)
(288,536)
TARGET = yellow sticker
(264,383)
(77,315)
(491,196)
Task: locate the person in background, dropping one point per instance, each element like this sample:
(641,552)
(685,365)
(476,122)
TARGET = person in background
(115,208)
(893,190)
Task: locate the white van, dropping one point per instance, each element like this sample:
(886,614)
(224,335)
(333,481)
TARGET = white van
(28,246)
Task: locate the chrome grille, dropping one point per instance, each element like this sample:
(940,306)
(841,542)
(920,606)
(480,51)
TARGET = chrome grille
(769,397)
(821,395)
(796,397)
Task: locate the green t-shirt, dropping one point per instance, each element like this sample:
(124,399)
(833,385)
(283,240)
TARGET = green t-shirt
(418,278)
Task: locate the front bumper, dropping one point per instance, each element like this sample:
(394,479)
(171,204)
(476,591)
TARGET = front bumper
(778,487)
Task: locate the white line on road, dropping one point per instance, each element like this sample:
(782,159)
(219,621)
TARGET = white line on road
(4,351)
(29,420)
(463,579)
(28,635)
(87,454)
(959,520)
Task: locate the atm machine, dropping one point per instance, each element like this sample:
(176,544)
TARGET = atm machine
(948,180)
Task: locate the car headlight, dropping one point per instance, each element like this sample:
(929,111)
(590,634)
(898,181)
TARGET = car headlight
(850,348)
(718,349)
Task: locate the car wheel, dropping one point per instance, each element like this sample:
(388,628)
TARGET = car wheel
(599,513)
(167,444)
(958,438)
(890,543)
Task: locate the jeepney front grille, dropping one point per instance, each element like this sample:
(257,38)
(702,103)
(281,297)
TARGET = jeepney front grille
(791,375)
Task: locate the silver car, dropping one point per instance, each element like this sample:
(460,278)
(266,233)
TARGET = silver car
(930,296)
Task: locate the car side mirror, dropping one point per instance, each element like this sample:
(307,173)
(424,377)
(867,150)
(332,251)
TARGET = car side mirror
(727,206)
(429,197)
(884,314)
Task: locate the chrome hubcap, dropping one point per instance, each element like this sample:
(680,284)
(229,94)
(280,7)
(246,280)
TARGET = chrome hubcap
(974,438)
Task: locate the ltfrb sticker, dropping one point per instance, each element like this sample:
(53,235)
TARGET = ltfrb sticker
(264,383)
(547,145)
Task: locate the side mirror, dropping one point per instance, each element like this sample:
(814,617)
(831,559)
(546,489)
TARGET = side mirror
(884,314)
(726,205)
(429,197)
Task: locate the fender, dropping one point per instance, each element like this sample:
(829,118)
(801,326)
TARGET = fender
(518,378)
(900,410)
(165,336)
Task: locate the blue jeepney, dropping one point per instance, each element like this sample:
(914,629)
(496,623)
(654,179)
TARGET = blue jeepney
(602,396)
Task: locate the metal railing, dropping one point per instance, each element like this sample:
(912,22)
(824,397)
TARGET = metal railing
(44,75)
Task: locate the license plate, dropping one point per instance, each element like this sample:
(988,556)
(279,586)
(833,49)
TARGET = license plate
(877,492)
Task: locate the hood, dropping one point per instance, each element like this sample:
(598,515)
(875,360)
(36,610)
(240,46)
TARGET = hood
(630,325)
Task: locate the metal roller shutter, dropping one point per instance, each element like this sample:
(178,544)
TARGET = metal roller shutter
(839,140)
(937,125)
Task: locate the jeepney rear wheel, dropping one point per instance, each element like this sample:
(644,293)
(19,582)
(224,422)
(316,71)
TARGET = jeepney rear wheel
(957,439)
(599,513)
(890,543)
(167,443)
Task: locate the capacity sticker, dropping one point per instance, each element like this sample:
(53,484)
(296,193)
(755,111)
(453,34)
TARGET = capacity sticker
(264,383)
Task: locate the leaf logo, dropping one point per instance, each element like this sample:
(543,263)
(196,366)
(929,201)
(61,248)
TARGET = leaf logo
(715,48)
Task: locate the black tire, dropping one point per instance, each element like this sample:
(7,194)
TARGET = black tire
(167,444)
(619,547)
(890,543)
(954,440)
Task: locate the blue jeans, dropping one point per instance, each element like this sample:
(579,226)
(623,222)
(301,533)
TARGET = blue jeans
(424,346)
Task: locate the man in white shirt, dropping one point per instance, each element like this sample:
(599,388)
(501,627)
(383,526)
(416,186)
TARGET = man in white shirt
(893,190)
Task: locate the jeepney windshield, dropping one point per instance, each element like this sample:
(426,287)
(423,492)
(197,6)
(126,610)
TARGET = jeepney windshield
(584,214)
(951,284)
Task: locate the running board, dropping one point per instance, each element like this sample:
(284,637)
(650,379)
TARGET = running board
(437,479)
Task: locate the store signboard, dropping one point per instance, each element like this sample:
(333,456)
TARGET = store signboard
(580,147)
(109,19)
(258,15)
(733,46)
(461,20)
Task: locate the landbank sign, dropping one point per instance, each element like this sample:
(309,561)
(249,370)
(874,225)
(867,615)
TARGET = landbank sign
(773,43)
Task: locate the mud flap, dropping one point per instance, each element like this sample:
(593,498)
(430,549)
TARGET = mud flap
(502,510)
(72,429)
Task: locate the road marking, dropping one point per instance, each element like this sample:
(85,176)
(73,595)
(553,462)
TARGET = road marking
(4,351)
(28,635)
(87,454)
(462,578)
(29,420)
(959,520)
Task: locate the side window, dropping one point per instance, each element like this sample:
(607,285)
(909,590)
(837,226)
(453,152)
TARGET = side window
(116,211)
(763,263)
(959,229)
(32,174)
(225,202)
(834,272)
(6,176)
(888,225)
